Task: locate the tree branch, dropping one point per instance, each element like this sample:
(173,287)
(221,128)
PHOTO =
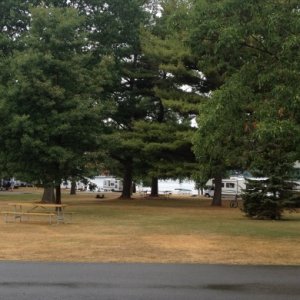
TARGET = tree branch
(264,50)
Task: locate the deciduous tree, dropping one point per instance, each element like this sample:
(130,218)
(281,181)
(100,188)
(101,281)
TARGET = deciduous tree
(53,107)
(254,46)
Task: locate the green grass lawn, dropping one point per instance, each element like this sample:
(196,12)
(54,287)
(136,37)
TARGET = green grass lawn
(193,217)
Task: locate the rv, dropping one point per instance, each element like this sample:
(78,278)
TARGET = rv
(112,185)
(97,184)
(230,187)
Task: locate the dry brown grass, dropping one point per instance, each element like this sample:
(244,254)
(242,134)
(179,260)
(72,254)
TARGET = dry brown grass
(172,230)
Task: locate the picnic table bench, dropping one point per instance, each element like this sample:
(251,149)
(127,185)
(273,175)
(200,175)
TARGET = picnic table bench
(18,215)
(23,210)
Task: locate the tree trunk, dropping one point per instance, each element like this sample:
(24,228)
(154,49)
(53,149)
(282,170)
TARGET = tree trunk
(48,195)
(58,194)
(73,187)
(217,199)
(127,182)
(133,187)
(154,187)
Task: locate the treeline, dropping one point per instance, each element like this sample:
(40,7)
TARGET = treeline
(89,86)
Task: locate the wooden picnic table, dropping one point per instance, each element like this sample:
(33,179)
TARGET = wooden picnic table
(27,209)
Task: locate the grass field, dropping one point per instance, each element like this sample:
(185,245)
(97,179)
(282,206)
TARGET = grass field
(176,229)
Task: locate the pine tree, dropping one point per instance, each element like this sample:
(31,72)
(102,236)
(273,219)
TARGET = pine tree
(167,133)
(129,96)
(267,198)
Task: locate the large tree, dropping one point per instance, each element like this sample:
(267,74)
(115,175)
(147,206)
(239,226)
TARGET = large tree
(14,20)
(177,88)
(114,29)
(220,138)
(51,100)
(255,46)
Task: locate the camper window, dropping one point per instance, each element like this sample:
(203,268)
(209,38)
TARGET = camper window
(222,184)
(230,185)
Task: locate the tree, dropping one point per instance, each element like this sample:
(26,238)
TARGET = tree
(268,198)
(176,91)
(255,47)
(133,96)
(114,30)
(214,70)
(53,107)
(14,20)
(220,137)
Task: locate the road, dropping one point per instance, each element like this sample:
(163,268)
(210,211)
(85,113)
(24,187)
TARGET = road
(62,281)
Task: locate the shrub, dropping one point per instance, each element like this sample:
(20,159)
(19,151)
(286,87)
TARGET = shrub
(267,198)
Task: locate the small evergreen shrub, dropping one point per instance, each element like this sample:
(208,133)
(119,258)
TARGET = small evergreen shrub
(267,198)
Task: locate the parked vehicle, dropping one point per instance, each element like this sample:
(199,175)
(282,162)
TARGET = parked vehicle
(233,186)
(112,185)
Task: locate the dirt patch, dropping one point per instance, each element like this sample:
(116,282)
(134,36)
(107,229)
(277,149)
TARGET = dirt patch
(37,243)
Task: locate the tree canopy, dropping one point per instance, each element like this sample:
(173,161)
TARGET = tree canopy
(54,112)
(255,47)
(85,78)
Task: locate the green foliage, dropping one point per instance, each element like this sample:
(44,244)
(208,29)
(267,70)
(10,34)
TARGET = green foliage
(176,86)
(267,198)
(220,134)
(54,118)
(166,152)
(112,29)
(14,20)
(70,68)
(250,50)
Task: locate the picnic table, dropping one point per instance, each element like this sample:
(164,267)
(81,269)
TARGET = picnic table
(23,210)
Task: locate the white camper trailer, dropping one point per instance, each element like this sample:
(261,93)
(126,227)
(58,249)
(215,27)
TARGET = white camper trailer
(80,186)
(98,184)
(230,187)
(112,185)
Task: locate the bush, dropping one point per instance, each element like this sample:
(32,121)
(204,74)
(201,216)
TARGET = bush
(267,199)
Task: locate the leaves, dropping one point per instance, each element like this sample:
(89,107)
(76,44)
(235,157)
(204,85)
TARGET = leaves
(250,121)
(54,119)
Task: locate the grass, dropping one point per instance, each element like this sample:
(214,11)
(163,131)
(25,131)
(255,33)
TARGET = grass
(181,229)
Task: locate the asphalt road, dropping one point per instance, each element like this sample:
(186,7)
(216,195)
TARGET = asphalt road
(49,281)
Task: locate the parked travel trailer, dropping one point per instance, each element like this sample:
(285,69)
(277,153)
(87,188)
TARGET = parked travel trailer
(98,184)
(172,186)
(112,185)
(80,186)
(232,186)
(295,176)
